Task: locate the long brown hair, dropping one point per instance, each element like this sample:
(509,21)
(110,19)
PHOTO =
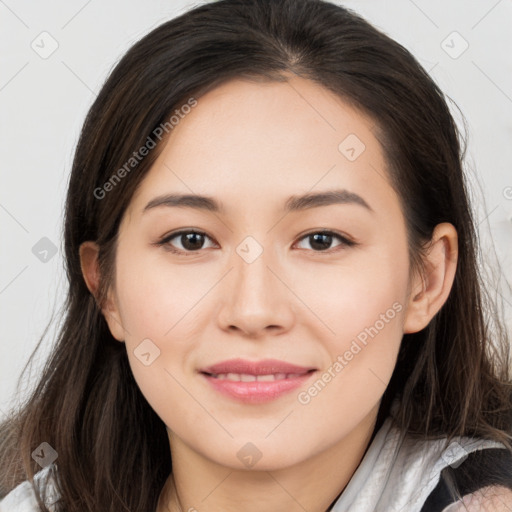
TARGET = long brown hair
(451,378)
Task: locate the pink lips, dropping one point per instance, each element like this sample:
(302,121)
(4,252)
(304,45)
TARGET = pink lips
(264,367)
(256,382)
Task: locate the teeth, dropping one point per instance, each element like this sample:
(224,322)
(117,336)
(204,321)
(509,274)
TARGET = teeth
(243,377)
(263,378)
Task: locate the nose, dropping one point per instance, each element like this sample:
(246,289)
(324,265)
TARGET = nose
(256,299)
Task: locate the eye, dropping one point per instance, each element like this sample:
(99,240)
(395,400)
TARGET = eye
(190,240)
(321,240)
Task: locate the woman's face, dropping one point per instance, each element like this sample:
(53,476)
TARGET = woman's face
(257,283)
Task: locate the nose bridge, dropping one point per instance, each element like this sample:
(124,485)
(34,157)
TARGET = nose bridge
(254,298)
(251,275)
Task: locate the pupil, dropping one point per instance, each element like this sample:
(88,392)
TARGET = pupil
(321,245)
(189,237)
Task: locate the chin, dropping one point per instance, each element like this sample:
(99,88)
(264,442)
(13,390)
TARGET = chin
(249,456)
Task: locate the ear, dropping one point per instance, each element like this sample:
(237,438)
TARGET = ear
(89,252)
(430,290)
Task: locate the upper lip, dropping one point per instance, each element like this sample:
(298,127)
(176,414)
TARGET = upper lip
(263,367)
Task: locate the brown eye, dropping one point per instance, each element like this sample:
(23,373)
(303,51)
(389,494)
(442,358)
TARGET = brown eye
(321,241)
(190,241)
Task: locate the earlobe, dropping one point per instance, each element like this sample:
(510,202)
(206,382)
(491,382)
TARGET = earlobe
(89,252)
(431,289)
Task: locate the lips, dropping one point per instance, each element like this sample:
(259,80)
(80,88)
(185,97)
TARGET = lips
(246,377)
(256,382)
(241,367)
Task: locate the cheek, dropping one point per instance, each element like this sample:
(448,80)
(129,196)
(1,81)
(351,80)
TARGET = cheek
(362,356)
(348,297)
(156,310)
(361,307)
(157,297)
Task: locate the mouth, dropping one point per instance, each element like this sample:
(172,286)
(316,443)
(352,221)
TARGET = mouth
(247,377)
(265,368)
(256,383)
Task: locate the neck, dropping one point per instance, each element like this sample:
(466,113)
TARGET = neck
(198,483)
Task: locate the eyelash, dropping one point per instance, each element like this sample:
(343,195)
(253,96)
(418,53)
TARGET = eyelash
(165,241)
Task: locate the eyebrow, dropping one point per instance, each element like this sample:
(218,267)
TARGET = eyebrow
(293,203)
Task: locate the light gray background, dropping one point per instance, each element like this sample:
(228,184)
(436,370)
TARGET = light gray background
(43,102)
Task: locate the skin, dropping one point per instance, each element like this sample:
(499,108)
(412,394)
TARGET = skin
(252,146)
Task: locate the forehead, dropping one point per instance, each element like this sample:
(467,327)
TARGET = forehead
(270,140)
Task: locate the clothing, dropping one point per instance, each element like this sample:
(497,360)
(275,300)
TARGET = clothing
(481,468)
(22,498)
(396,474)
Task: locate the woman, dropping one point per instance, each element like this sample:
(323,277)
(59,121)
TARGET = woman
(274,301)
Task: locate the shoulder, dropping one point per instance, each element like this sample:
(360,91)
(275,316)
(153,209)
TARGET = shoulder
(493,498)
(23,499)
(20,499)
(432,472)
(482,480)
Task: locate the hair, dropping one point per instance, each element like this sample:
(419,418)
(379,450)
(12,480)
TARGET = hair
(452,378)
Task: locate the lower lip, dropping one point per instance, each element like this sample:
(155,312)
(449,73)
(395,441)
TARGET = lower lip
(257,392)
